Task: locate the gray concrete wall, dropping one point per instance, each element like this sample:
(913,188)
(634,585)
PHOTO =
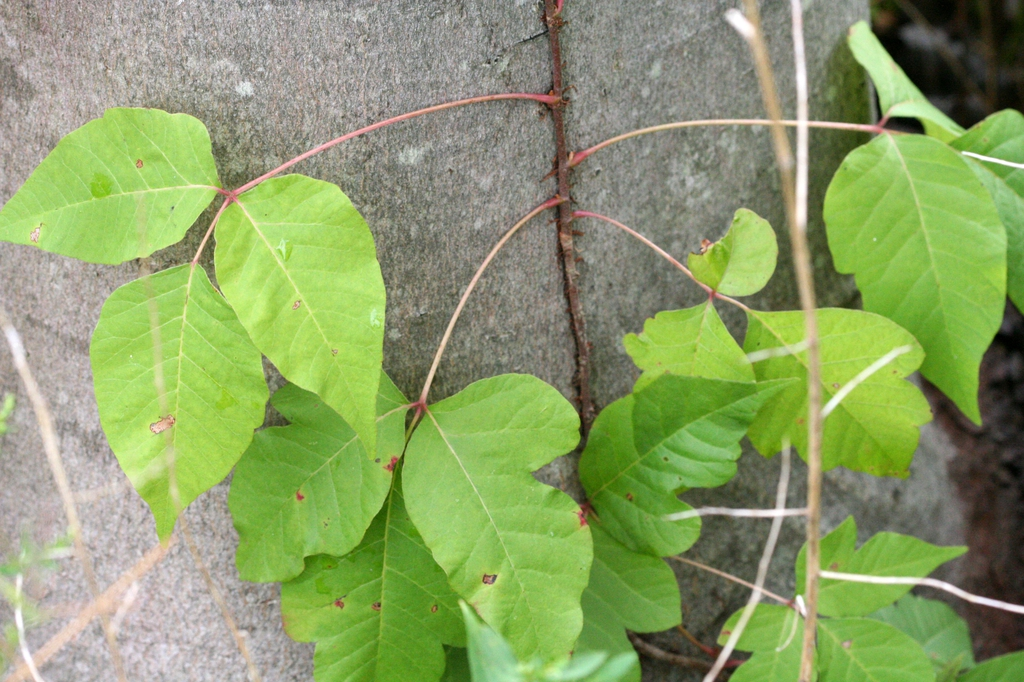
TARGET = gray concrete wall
(271,79)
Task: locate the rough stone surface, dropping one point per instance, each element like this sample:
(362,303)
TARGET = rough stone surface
(271,79)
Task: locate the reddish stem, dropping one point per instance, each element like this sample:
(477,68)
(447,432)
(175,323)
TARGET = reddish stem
(228,198)
(578,157)
(549,100)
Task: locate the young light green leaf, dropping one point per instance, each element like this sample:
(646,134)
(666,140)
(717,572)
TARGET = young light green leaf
(517,550)
(1001,136)
(775,635)
(863,650)
(174,329)
(645,448)
(309,488)
(298,263)
(626,591)
(874,428)
(898,97)
(689,342)
(491,659)
(120,187)
(935,626)
(885,554)
(908,217)
(741,262)
(379,614)
(1008,668)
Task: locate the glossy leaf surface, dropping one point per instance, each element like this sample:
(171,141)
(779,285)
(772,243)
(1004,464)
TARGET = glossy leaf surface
(517,550)
(935,626)
(310,488)
(297,261)
(627,591)
(689,342)
(741,262)
(885,554)
(864,650)
(380,613)
(875,427)
(645,448)
(189,388)
(120,187)
(897,96)
(908,217)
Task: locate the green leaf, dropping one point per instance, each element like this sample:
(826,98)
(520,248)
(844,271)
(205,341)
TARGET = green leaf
(873,429)
(862,650)
(379,614)
(898,97)
(908,217)
(1001,136)
(298,263)
(935,626)
(645,448)
(120,187)
(626,591)
(775,635)
(174,329)
(741,262)
(457,665)
(309,488)
(885,554)
(690,342)
(491,659)
(517,550)
(1008,668)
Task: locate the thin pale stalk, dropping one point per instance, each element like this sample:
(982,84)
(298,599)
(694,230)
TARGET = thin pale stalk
(735,579)
(550,203)
(218,598)
(992,159)
(543,99)
(49,436)
(863,376)
(19,624)
(735,513)
(762,570)
(578,157)
(104,604)
(926,582)
(209,231)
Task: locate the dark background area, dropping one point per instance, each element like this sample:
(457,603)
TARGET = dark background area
(967,56)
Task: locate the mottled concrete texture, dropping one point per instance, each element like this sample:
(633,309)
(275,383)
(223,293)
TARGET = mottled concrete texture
(271,79)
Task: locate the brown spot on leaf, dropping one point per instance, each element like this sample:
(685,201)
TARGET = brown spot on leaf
(490,578)
(299,496)
(705,244)
(390,466)
(34,237)
(835,384)
(433,609)
(375,606)
(834,566)
(138,163)
(296,305)
(629,496)
(162,425)
(334,351)
(339,603)
(800,420)
(847,644)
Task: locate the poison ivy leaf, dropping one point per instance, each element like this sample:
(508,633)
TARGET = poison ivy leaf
(775,635)
(885,554)
(491,659)
(874,428)
(645,448)
(120,187)
(690,342)
(1000,136)
(898,97)
(908,217)
(626,591)
(935,626)
(309,488)
(457,665)
(380,613)
(1009,668)
(298,263)
(863,650)
(741,262)
(517,550)
(176,378)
